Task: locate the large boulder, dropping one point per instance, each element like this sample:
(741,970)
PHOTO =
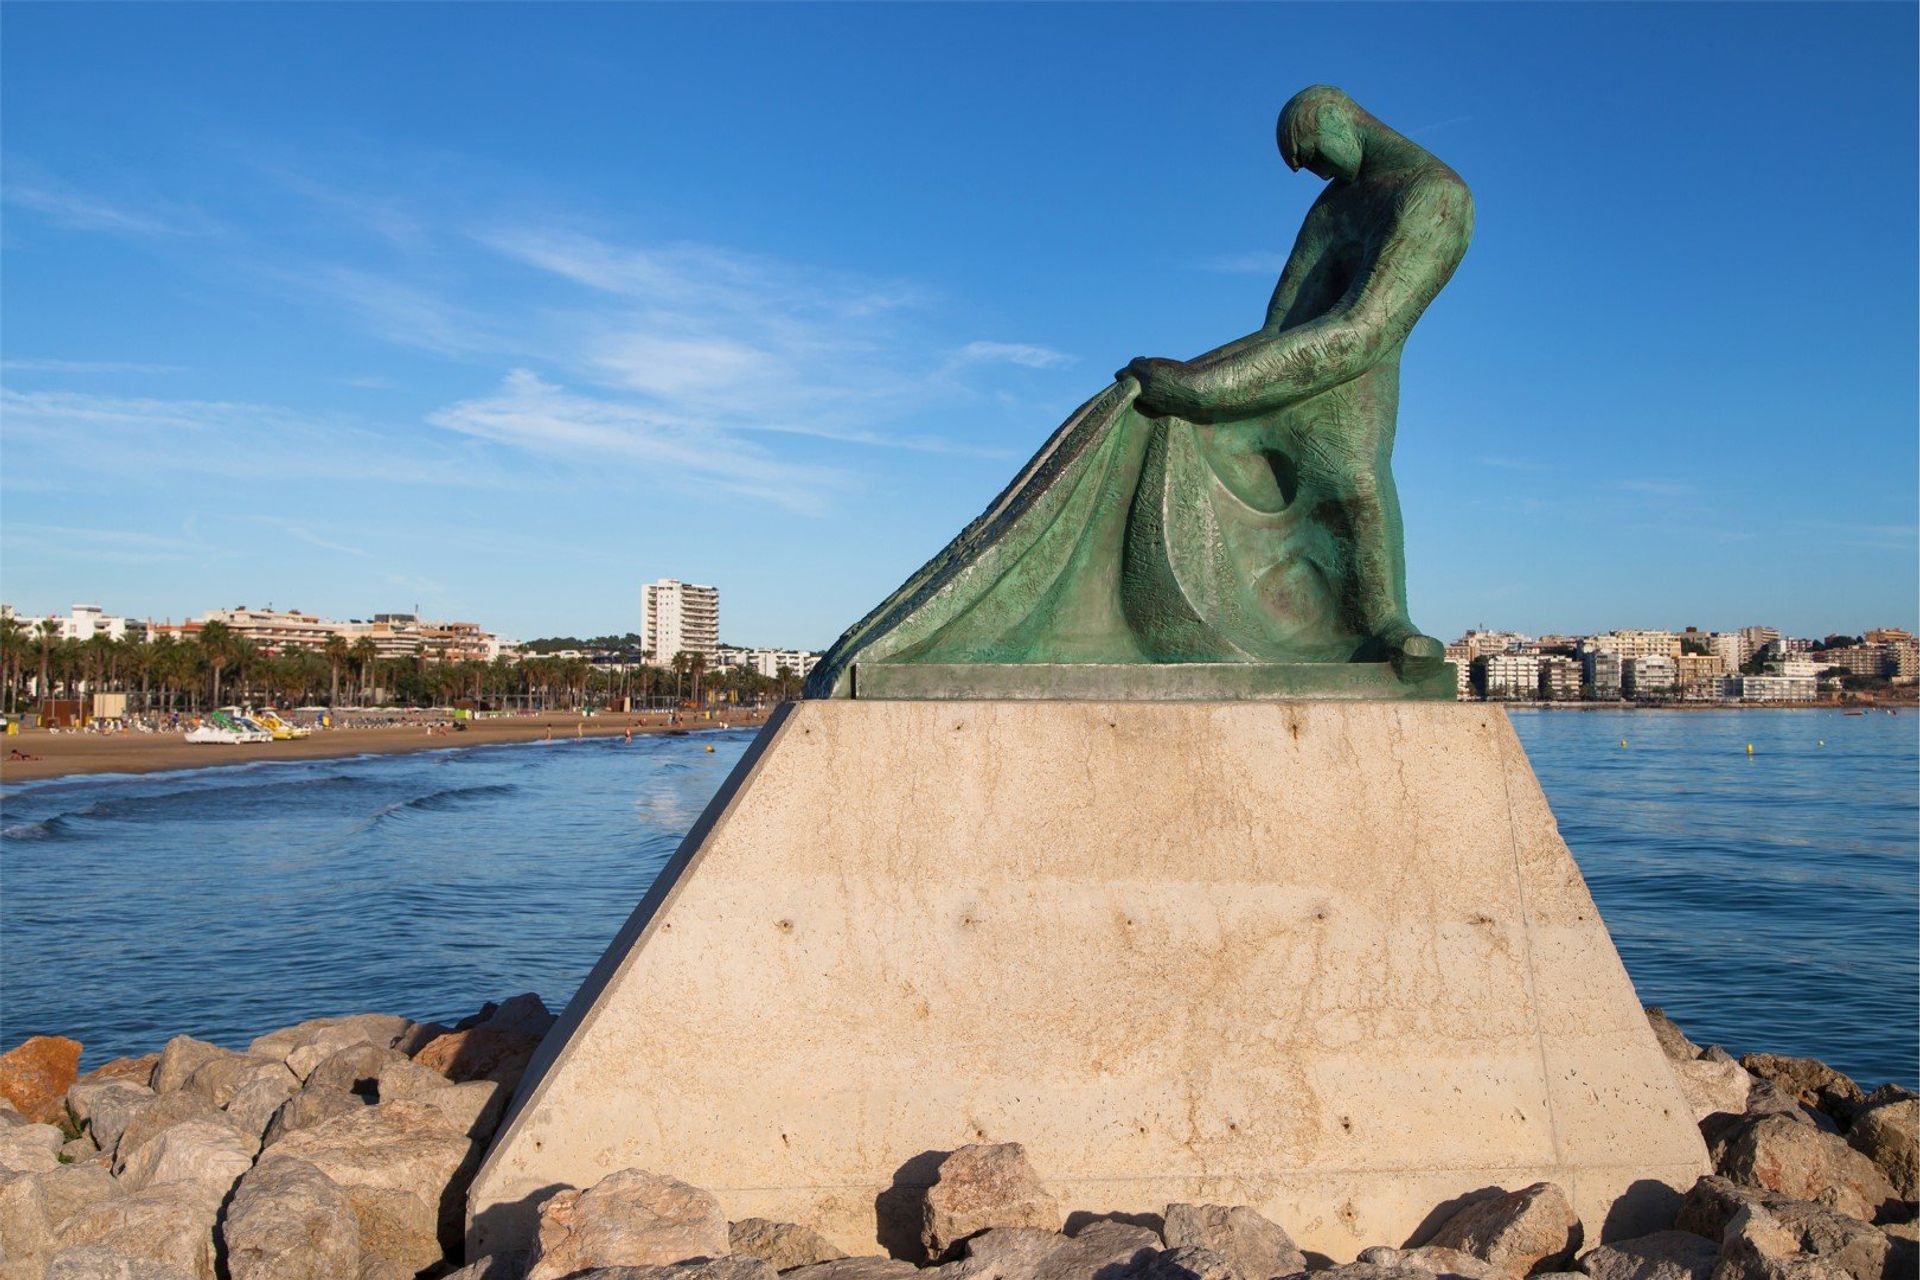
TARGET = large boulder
(1517,1232)
(307,1108)
(473,1108)
(133,1070)
(36,1074)
(1101,1248)
(307,1045)
(1437,1261)
(525,1013)
(1813,1084)
(1757,1246)
(402,1077)
(1254,1247)
(29,1148)
(355,1069)
(1888,1133)
(206,1152)
(982,1186)
(863,1268)
(171,1223)
(289,1221)
(32,1207)
(182,1057)
(1664,1255)
(1191,1262)
(632,1218)
(104,1107)
(700,1269)
(219,1079)
(480,1053)
(781,1245)
(1712,1086)
(99,1262)
(259,1100)
(151,1119)
(1712,1202)
(1804,1163)
(403,1171)
(1673,1041)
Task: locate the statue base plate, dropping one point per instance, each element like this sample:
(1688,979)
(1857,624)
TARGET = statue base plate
(1328,959)
(1147,682)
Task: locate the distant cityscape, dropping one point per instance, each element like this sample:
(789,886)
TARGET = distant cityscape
(679,627)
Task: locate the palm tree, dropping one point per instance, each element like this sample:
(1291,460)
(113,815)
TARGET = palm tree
(13,651)
(49,635)
(337,652)
(364,652)
(221,647)
(679,664)
(696,663)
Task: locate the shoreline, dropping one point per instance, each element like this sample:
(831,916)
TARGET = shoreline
(64,755)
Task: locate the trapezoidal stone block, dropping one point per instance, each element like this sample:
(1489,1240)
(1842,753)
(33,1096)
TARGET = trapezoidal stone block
(1331,960)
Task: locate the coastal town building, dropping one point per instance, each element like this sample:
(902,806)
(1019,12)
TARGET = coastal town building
(1508,676)
(1770,688)
(680,617)
(1560,678)
(1636,644)
(1601,670)
(1461,655)
(1860,659)
(767,662)
(1648,675)
(83,622)
(1697,675)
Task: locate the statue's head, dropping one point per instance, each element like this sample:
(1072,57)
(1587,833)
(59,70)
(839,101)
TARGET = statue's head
(1319,131)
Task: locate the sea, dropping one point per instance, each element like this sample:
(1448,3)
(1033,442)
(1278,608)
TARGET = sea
(1765,898)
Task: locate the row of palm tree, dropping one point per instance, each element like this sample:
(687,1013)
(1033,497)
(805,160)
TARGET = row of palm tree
(218,666)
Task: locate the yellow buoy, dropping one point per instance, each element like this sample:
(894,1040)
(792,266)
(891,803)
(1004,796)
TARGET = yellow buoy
(710,748)
(1623,742)
(1749,748)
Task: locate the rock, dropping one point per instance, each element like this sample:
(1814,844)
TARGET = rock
(1517,1231)
(132,1070)
(418,1036)
(278,1044)
(377,1029)
(104,1106)
(354,1069)
(1712,1202)
(36,1074)
(1255,1248)
(156,1116)
(98,1262)
(1673,1041)
(1710,1085)
(1764,1097)
(170,1223)
(523,1013)
(1664,1255)
(308,1108)
(781,1245)
(472,1109)
(981,1186)
(403,1172)
(627,1219)
(404,1078)
(259,1100)
(701,1269)
(81,1148)
(1859,1250)
(9,1117)
(32,1207)
(1104,1248)
(1445,1263)
(480,1053)
(220,1079)
(289,1221)
(855,1269)
(1800,1161)
(1814,1084)
(29,1148)
(199,1151)
(1758,1246)
(180,1059)
(499,1266)
(1191,1262)
(1888,1133)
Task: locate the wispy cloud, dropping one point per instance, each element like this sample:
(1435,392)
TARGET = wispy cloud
(1258,262)
(302,532)
(85,366)
(119,546)
(1021,353)
(77,212)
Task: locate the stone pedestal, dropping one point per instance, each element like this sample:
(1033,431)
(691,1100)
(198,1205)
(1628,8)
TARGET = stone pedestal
(1331,960)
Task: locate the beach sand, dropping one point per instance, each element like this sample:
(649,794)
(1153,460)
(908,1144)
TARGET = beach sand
(61,754)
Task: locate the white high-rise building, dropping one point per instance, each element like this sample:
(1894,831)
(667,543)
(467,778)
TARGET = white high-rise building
(679,617)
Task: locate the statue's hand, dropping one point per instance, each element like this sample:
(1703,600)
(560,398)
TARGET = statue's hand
(1166,386)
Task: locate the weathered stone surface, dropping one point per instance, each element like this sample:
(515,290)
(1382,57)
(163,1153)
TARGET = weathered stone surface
(1713,1201)
(308,1108)
(9,1117)
(1806,1164)
(133,1070)
(1888,1134)
(418,1036)
(98,1262)
(259,1100)
(171,1223)
(499,1266)
(28,1148)
(403,1078)
(704,1269)
(1664,1255)
(36,1074)
(219,1080)
(355,1069)
(182,1057)
(863,1268)
(401,1169)
(1711,1086)
(289,1221)
(473,1108)
(32,1207)
(1814,1084)
(480,1053)
(104,1106)
(632,1218)
(524,1013)
(1254,1247)
(980,1186)
(319,1043)
(1191,1262)
(152,1118)
(1101,1248)
(81,1148)
(1757,1246)
(1859,1250)
(199,1151)
(1517,1231)
(1673,1041)
(781,1245)
(1438,1261)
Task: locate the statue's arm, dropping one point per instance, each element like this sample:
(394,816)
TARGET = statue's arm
(1306,250)
(1276,368)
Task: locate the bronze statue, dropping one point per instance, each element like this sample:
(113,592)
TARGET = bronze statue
(1238,508)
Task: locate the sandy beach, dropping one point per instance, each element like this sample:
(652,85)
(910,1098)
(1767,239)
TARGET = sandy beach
(60,754)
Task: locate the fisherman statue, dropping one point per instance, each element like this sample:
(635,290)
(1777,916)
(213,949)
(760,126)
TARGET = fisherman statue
(1238,508)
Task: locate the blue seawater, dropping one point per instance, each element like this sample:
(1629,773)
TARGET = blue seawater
(1767,901)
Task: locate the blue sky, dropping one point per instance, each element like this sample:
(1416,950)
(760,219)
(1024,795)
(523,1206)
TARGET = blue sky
(503,310)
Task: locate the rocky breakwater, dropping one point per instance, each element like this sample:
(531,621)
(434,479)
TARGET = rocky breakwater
(343,1148)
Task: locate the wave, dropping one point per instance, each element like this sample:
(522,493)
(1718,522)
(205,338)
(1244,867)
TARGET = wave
(53,828)
(445,799)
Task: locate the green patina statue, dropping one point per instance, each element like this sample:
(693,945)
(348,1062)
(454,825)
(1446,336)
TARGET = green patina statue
(1225,526)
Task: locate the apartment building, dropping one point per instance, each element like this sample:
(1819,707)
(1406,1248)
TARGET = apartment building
(1560,678)
(1637,644)
(768,662)
(1697,675)
(680,617)
(1508,676)
(83,622)
(1601,670)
